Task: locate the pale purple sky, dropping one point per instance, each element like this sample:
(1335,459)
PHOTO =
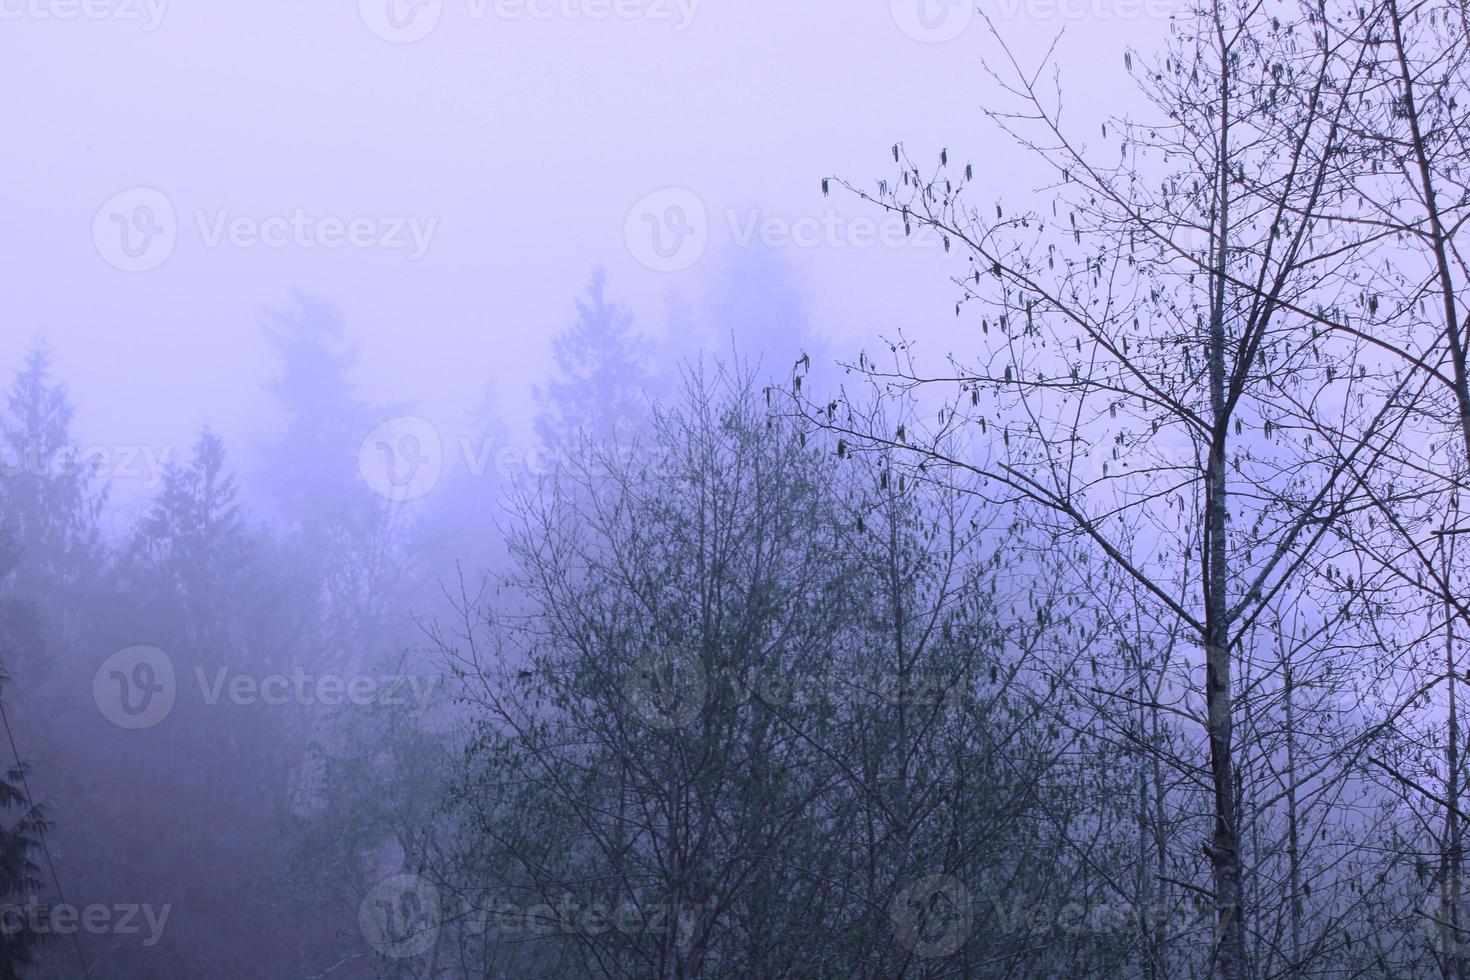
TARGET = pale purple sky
(515,146)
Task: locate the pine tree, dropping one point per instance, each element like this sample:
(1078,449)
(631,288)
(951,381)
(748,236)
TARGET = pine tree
(50,496)
(22,825)
(193,541)
(311,467)
(756,305)
(20,875)
(604,373)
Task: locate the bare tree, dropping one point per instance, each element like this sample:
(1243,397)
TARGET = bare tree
(1155,371)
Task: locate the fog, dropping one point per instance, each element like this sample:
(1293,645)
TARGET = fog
(686,488)
(523,142)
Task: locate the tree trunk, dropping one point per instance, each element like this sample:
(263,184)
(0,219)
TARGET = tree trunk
(1224,849)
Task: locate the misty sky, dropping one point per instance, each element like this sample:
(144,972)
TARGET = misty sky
(517,148)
